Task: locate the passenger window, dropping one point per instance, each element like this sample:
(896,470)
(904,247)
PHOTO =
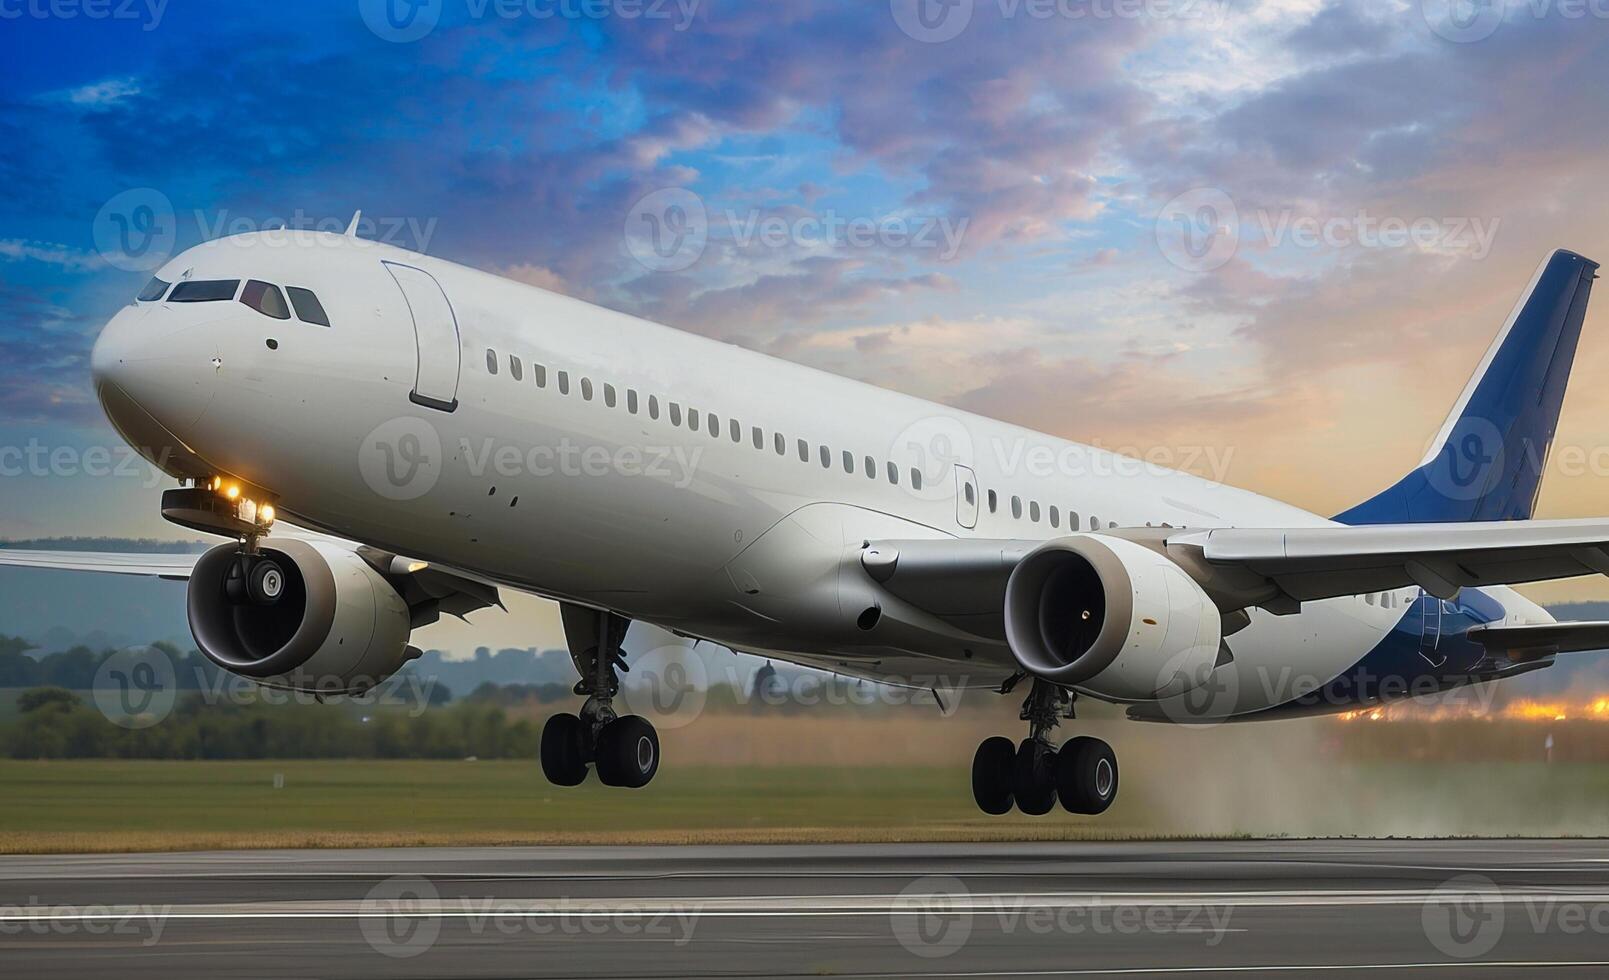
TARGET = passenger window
(871,468)
(586,389)
(564,382)
(916,478)
(994,502)
(516,368)
(1055,516)
(308,308)
(631,400)
(1111,524)
(675,414)
(1094,523)
(1033,511)
(782,445)
(653,406)
(759,438)
(715,425)
(1369,598)
(491,361)
(849,461)
(826,458)
(893,473)
(540,373)
(804,451)
(204,291)
(972,495)
(1016,506)
(1072,520)
(692,419)
(265,298)
(609,395)
(736,429)
(152,292)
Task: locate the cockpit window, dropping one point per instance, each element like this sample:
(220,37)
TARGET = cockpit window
(308,308)
(204,291)
(153,291)
(265,298)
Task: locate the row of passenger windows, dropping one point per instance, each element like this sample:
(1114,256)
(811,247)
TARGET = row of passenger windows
(264,297)
(709,422)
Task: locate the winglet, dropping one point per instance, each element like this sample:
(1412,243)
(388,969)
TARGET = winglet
(352,228)
(1486,461)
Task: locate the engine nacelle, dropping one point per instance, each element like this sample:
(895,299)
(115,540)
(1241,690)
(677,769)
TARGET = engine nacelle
(1112,617)
(338,626)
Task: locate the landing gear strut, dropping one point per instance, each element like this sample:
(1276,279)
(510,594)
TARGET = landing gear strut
(624,749)
(1034,774)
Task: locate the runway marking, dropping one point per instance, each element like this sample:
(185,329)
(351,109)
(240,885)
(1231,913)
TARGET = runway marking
(800,906)
(1292,968)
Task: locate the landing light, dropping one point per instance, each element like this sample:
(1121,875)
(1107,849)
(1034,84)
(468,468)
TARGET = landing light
(233,493)
(266,514)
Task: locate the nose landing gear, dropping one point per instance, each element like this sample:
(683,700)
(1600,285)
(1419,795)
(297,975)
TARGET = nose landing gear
(1035,774)
(624,750)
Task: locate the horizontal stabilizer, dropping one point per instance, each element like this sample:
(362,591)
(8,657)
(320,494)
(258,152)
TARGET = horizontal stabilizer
(1543,638)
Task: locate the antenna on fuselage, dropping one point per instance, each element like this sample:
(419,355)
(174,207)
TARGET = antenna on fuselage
(352,229)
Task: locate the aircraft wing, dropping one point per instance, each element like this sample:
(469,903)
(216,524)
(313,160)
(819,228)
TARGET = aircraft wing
(448,591)
(164,565)
(1322,562)
(1543,638)
(963,581)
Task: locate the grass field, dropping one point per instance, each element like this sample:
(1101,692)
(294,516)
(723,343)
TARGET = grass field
(120,806)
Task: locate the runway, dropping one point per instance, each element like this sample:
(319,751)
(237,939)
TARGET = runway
(1091,909)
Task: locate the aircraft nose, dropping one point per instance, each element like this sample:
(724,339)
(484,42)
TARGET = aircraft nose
(164,370)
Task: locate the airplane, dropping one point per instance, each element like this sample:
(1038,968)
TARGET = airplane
(420,413)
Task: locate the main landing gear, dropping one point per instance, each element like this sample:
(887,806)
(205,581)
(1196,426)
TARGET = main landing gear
(624,750)
(1034,774)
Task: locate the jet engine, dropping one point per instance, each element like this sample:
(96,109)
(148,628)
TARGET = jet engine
(327,621)
(1112,617)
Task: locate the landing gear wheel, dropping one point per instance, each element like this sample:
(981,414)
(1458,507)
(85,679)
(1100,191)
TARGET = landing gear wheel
(563,762)
(991,775)
(265,582)
(1033,782)
(1086,775)
(628,752)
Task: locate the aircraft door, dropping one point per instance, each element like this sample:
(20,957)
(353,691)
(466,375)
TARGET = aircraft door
(435,330)
(966,496)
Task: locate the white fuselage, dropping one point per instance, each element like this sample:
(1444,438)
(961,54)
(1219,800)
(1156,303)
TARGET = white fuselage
(574,495)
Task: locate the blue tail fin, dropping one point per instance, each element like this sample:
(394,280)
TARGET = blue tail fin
(1486,462)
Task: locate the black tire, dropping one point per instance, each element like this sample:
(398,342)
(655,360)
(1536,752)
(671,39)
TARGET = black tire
(563,762)
(265,583)
(628,752)
(1033,781)
(1086,775)
(991,775)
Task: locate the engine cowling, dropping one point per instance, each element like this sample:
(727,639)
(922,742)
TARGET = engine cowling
(1112,617)
(338,627)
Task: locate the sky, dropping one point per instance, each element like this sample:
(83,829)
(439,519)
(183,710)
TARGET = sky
(1266,241)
